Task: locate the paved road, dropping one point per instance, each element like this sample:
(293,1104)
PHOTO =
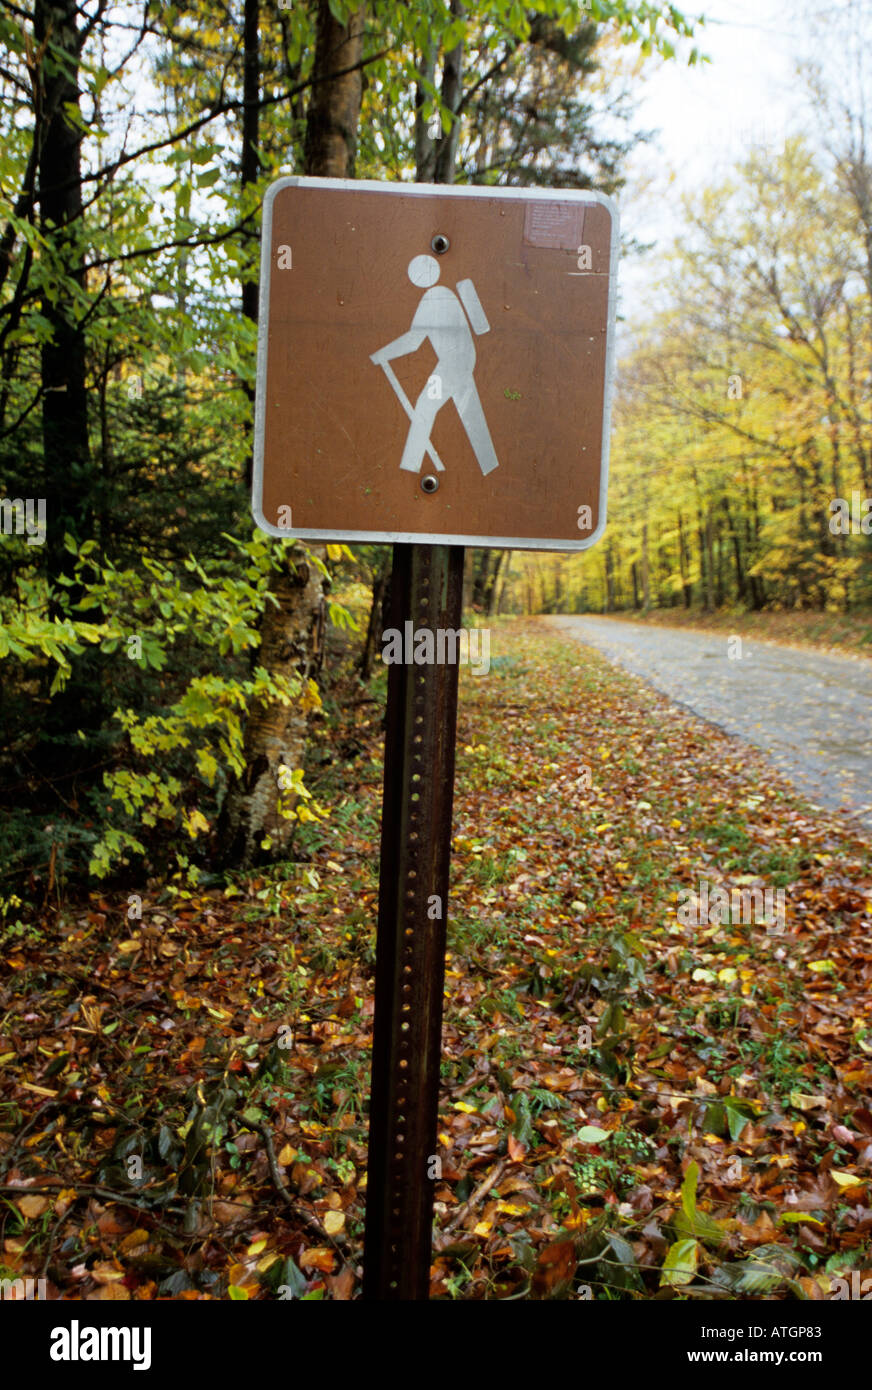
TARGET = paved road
(810,712)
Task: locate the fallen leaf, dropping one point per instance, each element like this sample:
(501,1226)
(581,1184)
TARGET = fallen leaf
(31,1207)
(319,1257)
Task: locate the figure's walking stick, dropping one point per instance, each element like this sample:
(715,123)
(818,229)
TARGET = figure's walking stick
(407,407)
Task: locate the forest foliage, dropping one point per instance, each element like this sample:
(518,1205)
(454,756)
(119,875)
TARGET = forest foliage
(741,458)
(137,144)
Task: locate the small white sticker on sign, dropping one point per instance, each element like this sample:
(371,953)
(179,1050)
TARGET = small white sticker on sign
(555,225)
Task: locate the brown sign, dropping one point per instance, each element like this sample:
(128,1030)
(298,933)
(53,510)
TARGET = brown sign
(434,363)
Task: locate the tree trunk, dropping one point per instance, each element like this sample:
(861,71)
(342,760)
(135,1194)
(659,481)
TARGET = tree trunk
(610,579)
(425,139)
(291,630)
(69,480)
(451,94)
(503,581)
(250,169)
(709,563)
(706,563)
(468,578)
(275,735)
(737,550)
(486,568)
(66,446)
(686,585)
(557,604)
(493,579)
(375,625)
(334,109)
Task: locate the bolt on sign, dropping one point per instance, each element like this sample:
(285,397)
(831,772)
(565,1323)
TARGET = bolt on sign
(435,364)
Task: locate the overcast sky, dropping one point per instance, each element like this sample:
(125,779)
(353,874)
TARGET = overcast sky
(707,116)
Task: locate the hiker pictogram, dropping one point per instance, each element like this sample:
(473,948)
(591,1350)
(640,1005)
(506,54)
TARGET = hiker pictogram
(445,318)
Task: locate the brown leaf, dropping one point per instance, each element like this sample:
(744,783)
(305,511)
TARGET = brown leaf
(516,1149)
(106,1272)
(133,1241)
(341,1285)
(762,1232)
(555,1265)
(31,1207)
(108,1292)
(319,1257)
(304,1178)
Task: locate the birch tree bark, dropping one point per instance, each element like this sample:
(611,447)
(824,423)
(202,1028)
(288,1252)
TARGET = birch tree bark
(255,825)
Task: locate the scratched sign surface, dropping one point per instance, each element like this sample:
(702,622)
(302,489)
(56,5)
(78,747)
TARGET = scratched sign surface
(434,364)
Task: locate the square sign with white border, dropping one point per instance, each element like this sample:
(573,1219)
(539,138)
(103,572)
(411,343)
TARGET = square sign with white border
(434,364)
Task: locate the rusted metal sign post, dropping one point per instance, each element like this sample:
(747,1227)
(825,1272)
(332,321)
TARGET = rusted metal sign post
(434,370)
(426,587)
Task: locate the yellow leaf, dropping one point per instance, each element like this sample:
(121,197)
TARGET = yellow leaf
(483,1228)
(310,698)
(334,1222)
(801,1100)
(256,1247)
(680,1264)
(195,822)
(821,965)
(465,1109)
(845,1179)
(287,1154)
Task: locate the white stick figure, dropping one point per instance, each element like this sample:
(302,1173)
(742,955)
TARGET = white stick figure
(440,317)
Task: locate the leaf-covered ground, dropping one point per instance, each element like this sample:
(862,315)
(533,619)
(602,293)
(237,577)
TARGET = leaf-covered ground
(632,1107)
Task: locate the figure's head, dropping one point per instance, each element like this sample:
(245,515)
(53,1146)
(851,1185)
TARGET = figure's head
(423,271)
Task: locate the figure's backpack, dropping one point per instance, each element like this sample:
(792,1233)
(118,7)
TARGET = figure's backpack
(472,304)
